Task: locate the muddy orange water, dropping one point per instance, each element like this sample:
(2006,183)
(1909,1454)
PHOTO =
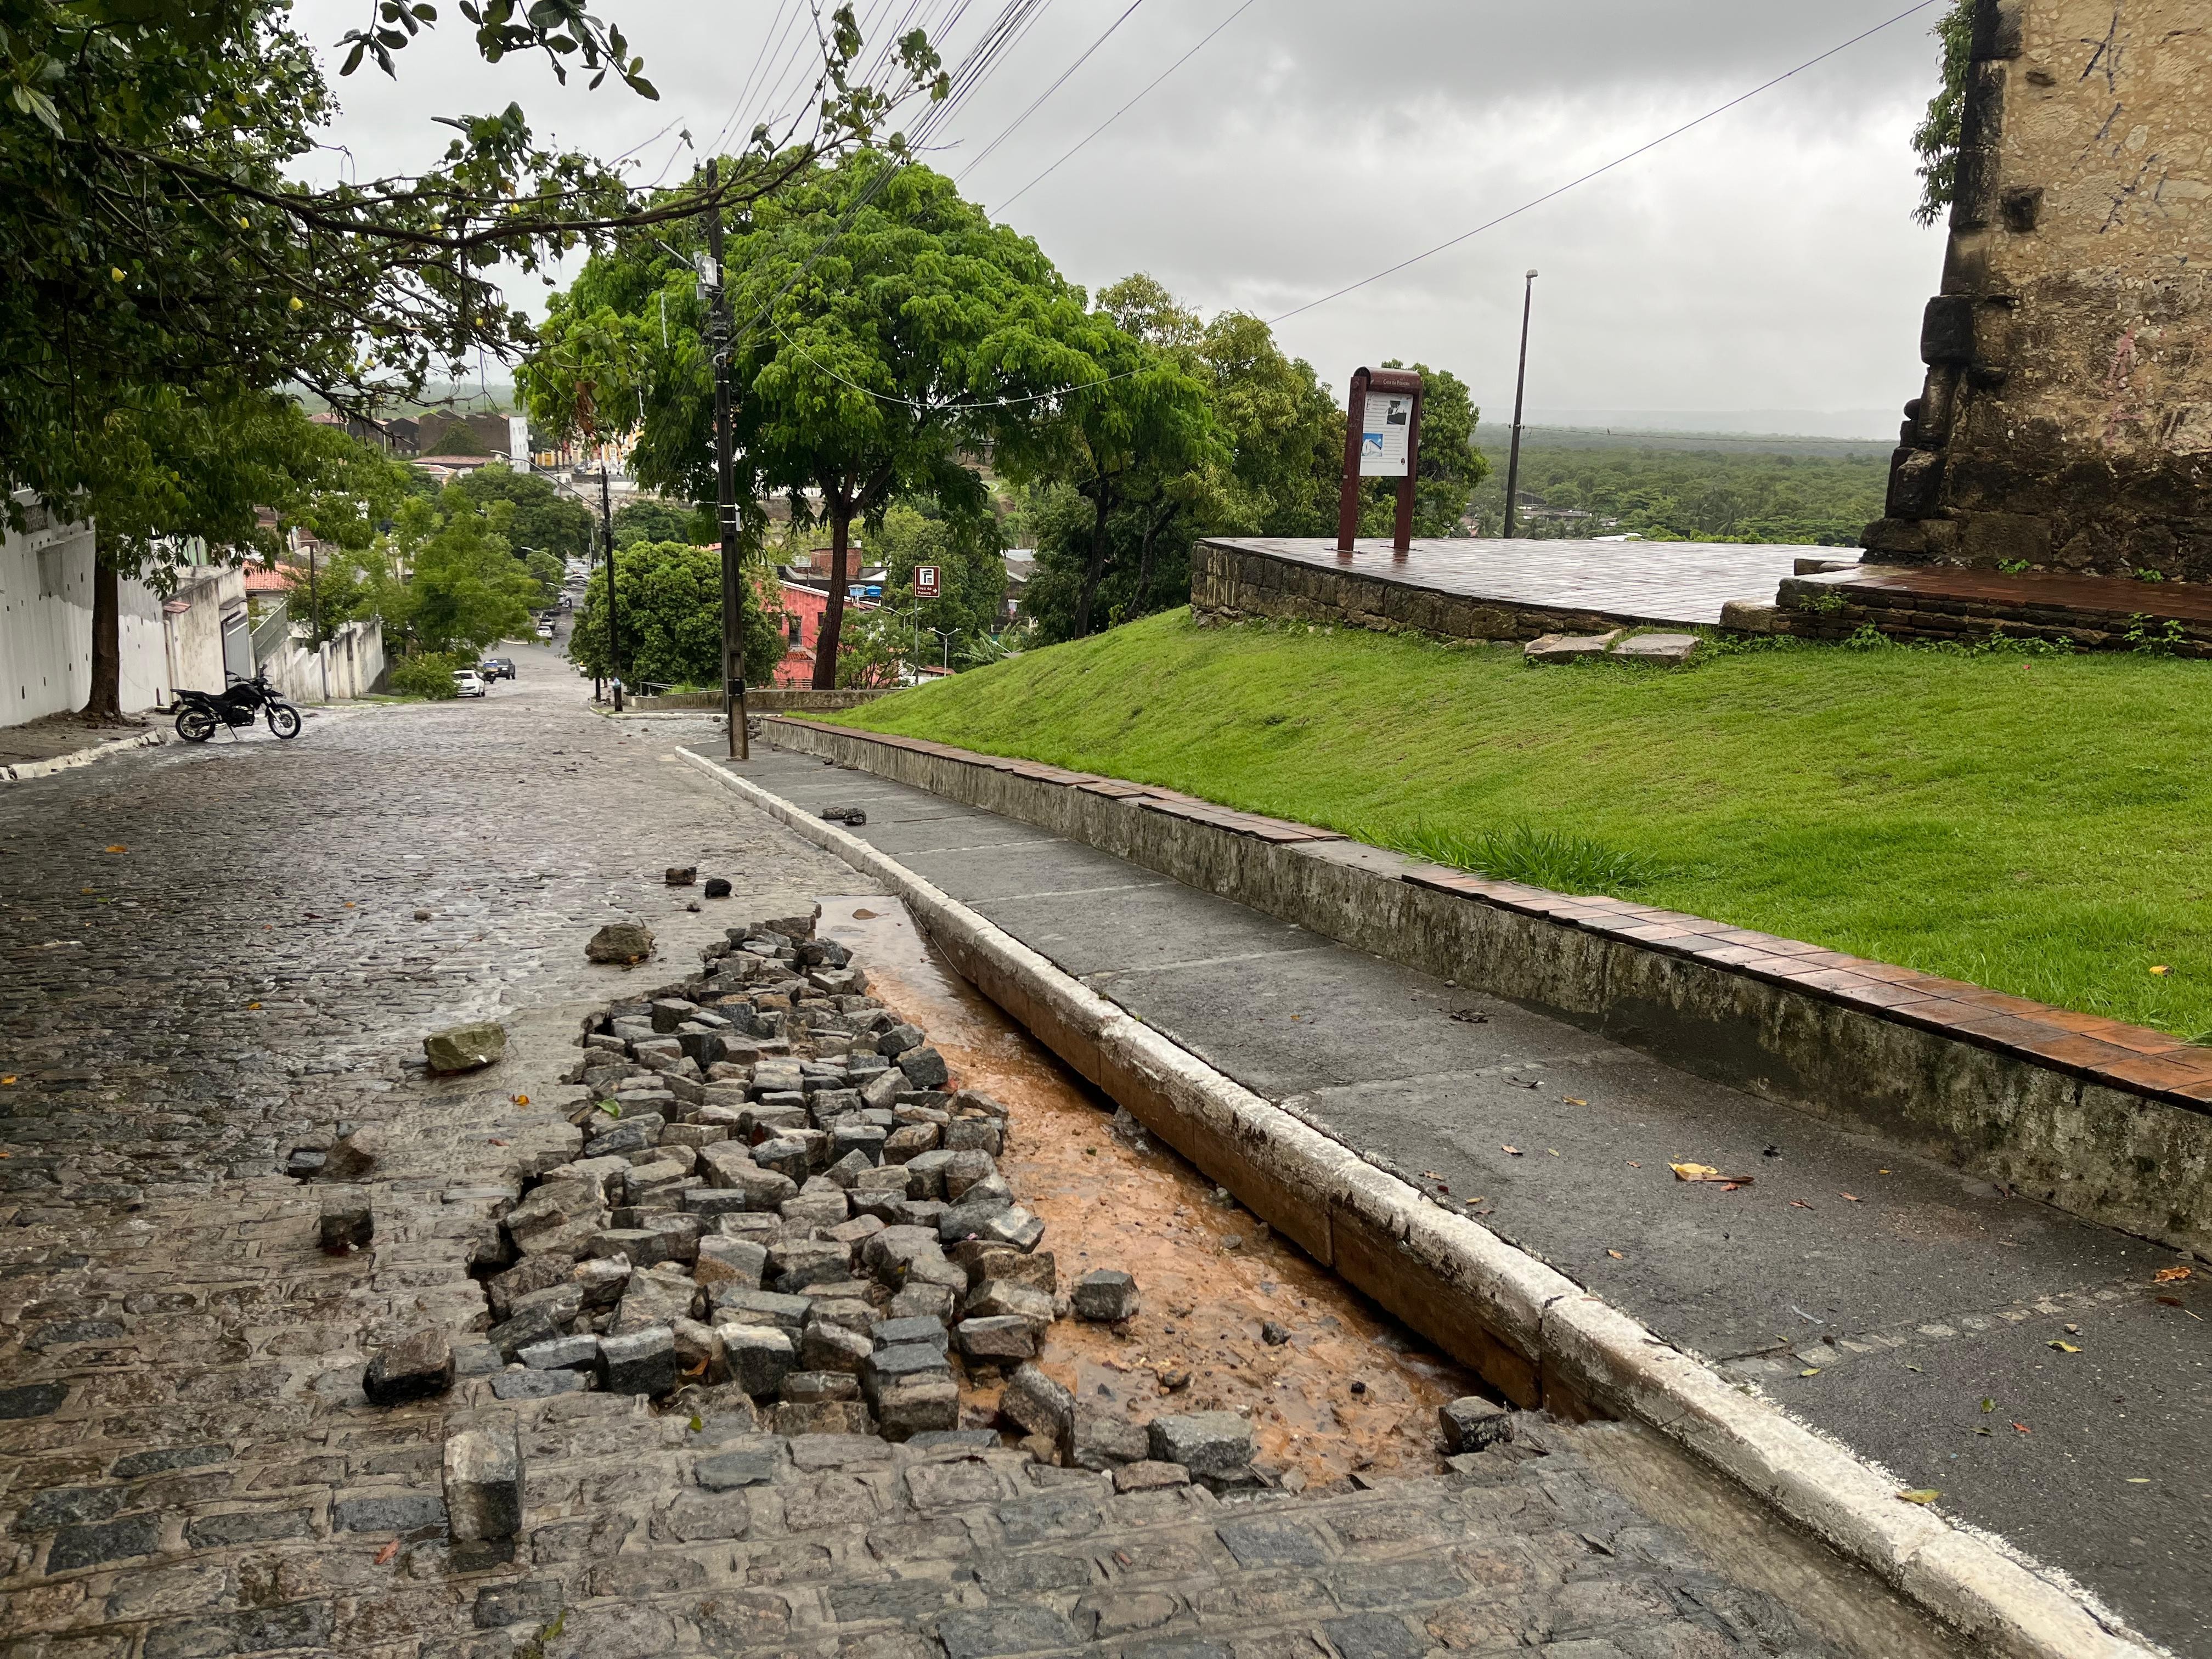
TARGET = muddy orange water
(1351,1389)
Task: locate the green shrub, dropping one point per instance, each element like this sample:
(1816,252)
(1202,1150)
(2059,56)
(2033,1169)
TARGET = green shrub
(430,675)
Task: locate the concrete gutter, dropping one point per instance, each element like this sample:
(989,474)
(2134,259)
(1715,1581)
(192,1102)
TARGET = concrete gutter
(23,771)
(2108,1121)
(1538,1335)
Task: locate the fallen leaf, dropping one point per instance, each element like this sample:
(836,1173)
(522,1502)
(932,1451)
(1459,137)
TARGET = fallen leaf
(522,1100)
(1920,1495)
(1979,1430)
(1882,1172)
(1554,1150)
(2171,1275)
(8,1079)
(698,1424)
(1633,1164)
(121,847)
(497,1142)
(1799,1204)
(1915,1370)
(2023,1428)
(2169,1301)
(1810,1371)
(2138,1480)
(1706,1172)
(2161,970)
(253,1005)
(1616,1255)
(384,1555)
(1854,1197)
(350,904)
(2063,1347)
(1511,1152)
(1571,1101)
(1988,1405)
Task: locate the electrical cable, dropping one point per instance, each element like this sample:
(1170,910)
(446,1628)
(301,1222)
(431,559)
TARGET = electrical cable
(1124,110)
(1621,160)
(1037,102)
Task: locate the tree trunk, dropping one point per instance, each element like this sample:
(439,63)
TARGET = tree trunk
(833,614)
(1153,528)
(105,700)
(1096,570)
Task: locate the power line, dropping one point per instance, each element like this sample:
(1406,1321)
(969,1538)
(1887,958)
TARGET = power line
(1621,160)
(1037,102)
(1123,111)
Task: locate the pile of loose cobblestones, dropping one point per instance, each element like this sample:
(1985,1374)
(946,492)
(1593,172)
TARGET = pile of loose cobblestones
(777,1207)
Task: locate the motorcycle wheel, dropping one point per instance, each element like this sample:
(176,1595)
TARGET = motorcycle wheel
(195,724)
(284,720)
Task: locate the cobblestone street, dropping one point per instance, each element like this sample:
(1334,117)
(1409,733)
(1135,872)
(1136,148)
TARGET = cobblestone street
(210,956)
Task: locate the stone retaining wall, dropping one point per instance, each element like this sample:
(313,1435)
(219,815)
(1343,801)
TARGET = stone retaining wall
(1229,584)
(2110,1124)
(759,699)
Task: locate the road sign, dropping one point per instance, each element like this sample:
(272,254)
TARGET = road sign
(925,581)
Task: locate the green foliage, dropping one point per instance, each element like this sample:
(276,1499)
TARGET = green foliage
(543,518)
(464,587)
(651,520)
(429,675)
(668,617)
(968,552)
(1685,495)
(2026,822)
(1557,860)
(1936,140)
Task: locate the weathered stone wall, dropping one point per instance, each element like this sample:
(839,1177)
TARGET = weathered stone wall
(2067,421)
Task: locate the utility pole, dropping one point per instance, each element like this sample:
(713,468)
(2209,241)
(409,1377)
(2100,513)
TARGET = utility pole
(607,539)
(1520,380)
(725,483)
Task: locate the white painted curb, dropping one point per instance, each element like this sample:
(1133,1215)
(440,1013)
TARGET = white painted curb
(2003,1604)
(24,771)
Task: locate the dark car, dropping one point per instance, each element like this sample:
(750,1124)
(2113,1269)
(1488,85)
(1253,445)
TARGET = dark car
(496,668)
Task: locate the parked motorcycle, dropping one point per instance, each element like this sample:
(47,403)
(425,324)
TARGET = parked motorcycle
(200,712)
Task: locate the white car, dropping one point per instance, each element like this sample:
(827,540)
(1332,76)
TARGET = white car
(467,682)
(546,630)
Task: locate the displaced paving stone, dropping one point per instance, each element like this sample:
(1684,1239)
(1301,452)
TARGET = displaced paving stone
(1107,1296)
(467,1048)
(640,1362)
(1102,1437)
(417,1367)
(1473,1423)
(345,1223)
(1033,1402)
(1568,648)
(759,1356)
(999,1337)
(484,1482)
(1146,1475)
(1205,1442)
(1658,648)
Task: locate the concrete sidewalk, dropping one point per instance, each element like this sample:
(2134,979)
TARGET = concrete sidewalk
(1877,1296)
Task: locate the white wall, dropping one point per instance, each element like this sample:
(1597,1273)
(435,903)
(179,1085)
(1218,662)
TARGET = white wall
(45,617)
(353,659)
(195,633)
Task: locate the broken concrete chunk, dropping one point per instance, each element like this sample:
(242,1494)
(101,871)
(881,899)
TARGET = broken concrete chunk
(417,1367)
(1106,1296)
(465,1047)
(622,942)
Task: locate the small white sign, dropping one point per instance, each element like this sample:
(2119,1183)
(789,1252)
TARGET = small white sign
(1383,432)
(925,581)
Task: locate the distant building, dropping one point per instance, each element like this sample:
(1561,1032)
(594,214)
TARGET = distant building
(396,436)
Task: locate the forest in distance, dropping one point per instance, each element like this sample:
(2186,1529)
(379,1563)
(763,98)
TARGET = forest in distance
(1576,483)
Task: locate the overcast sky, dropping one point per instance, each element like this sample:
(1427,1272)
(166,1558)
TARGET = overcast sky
(1764,262)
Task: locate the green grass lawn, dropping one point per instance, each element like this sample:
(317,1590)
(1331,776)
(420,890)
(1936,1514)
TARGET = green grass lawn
(2034,823)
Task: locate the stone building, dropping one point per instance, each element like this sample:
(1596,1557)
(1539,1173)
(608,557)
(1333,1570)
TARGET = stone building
(2067,422)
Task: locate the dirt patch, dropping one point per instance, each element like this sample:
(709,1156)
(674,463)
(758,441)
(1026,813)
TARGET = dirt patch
(1349,1389)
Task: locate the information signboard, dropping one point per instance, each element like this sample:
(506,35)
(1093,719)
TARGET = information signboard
(1383,429)
(1382,440)
(925,581)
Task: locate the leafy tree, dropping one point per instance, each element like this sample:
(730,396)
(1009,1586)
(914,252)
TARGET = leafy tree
(867,360)
(543,518)
(1936,139)
(668,614)
(1450,469)
(170,469)
(463,586)
(969,553)
(651,520)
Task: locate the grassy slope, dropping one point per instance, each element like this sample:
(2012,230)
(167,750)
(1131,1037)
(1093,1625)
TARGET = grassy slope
(2034,825)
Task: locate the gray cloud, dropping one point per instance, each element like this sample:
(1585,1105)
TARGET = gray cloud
(1766,260)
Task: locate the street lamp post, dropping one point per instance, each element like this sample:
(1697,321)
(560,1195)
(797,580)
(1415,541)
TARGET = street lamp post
(607,539)
(944,636)
(1520,381)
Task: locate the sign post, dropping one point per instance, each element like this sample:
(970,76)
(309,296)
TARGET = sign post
(926,577)
(1382,440)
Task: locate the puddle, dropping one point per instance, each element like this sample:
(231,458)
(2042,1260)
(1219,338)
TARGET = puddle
(1350,1389)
